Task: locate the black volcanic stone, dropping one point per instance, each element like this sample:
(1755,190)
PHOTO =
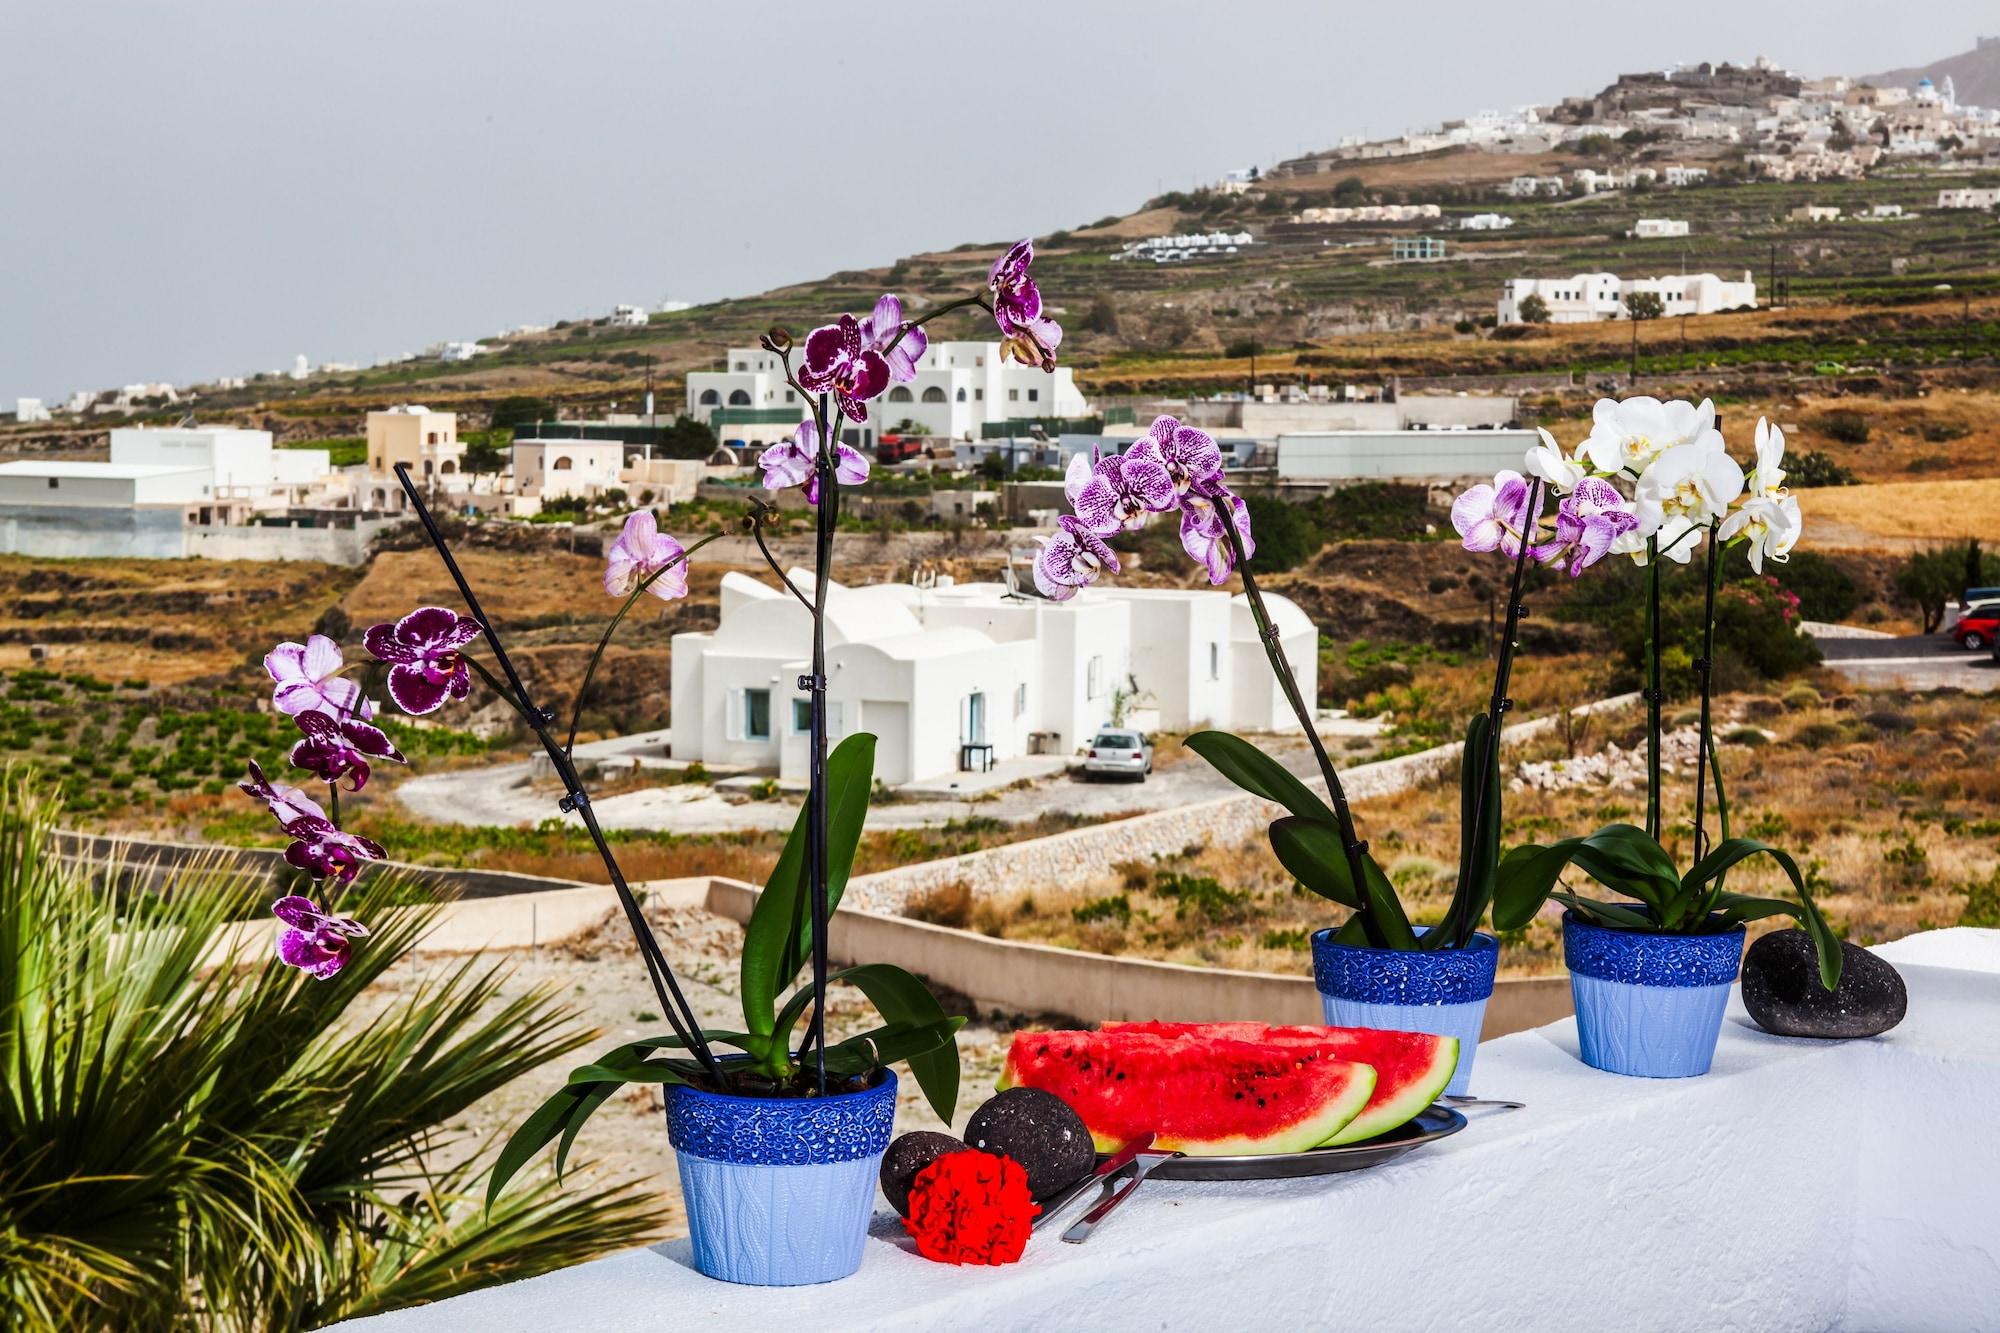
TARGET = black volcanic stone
(1782,992)
(1040,1131)
(909,1154)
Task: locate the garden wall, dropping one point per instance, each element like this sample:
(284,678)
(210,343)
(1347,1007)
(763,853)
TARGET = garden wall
(1065,858)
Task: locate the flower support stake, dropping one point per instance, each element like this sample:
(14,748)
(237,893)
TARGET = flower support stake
(673,1004)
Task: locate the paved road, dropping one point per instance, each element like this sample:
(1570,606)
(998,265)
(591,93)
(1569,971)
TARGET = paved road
(501,795)
(1911,661)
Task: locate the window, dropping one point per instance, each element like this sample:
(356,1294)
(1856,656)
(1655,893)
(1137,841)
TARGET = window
(738,398)
(961,395)
(933,394)
(55,483)
(710,398)
(562,463)
(1021,699)
(802,717)
(377,464)
(1013,395)
(757,715)
(1093,678)
(791,397)
(742,366)
(433,438)
(427,467)
(1034,395)
(1214,661)
(979,395)
(900,394)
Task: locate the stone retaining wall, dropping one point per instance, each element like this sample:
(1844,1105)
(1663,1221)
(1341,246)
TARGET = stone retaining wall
(1065,858)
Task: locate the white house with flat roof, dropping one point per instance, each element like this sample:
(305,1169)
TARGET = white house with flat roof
(552,469)
(1586,297)
(930,671)
(960,387)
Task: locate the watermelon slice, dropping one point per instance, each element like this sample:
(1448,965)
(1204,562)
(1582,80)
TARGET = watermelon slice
(1412,1069)
(1206,1098)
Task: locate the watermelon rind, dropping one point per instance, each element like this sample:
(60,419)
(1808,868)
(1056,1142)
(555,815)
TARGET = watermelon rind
(1398,1101)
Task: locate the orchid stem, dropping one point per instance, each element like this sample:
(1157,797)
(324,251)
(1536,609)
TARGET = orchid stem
(1653,690)
(826,515)
(977,298)
(673,1004)
(1705,668)
(1281,667)
(576,710)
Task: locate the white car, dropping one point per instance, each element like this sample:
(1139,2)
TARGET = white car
(1115,752)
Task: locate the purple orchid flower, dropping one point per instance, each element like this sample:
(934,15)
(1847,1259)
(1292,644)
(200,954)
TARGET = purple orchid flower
(1203,536)
(313,942)
(319,847)
(839,359)
(337,747)
(795,462)
(308,679)
(640,552)
(1120,491)
(423,650)
(1071,559)
(1192,457)
(1494,517)
(1030,337)
(880,333)
(1588,521)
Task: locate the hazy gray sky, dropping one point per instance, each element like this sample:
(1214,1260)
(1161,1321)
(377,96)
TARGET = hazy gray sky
(190,189)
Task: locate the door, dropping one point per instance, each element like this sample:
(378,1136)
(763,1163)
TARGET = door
(975,719)
(889,720)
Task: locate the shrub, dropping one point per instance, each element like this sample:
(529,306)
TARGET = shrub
(1812,469)
(1824,590)
(1802,697)
(1848,427)
(945,905)
(1818,735)
(237,1150)
(1746,736)
(1117,907)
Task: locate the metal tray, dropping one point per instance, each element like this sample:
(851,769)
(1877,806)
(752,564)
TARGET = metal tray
(1434,1123)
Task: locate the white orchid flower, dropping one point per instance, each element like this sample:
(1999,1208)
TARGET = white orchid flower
(1626,436)
(1769,525)
(1548,461)
(1696,481)
(1767,479)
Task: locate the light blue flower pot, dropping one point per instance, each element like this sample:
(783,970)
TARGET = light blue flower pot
(779,1191)
(1649,1004)
(1441,991)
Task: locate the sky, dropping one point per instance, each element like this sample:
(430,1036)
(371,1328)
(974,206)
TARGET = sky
(196,189)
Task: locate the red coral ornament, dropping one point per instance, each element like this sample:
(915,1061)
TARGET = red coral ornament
(971,1207)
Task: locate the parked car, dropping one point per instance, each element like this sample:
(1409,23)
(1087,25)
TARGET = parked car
(1978,627)
(1115,752)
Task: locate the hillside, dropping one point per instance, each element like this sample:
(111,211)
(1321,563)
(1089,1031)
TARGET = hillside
(1974,74)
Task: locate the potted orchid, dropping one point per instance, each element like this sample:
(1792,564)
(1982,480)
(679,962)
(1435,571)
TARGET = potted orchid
(1651,975)
(1377,969)
(779,1141)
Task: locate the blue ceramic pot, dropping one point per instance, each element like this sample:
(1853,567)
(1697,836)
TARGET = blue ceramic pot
(779,1191)
(1442,991)
(1649,1004)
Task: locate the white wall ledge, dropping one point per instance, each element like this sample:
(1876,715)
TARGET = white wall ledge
(1800,1185)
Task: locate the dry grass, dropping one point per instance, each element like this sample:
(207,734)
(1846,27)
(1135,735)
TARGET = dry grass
(1910,511)
(1887,800)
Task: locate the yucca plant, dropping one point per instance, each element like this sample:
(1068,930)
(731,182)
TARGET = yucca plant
(195,1140)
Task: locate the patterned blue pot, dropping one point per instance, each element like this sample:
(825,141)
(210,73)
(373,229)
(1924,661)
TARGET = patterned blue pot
(779,1191)
(1443,991)
(1648,1004)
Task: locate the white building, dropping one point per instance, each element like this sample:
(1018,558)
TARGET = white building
(461,351)
(929,671)
(960,388)
(1485,222)
(628,317)
(1678,176)
(1311,457)
(1814,213)
(1968,198)
(553,469)
(1656,228)
(29,410)
(1587,297)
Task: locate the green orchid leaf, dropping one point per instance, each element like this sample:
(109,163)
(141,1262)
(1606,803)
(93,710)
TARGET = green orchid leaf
(635,1071)
(1353,931)
(904,1001)
(890,1044)
(1259,774)
(1478,849)
(778,940)
(1385,915)
(1311,850)
(1726,854)
(1525,878)
(1624,857)
(1626,916)
(586,1106)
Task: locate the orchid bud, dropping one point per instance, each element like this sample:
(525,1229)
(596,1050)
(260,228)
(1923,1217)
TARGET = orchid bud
(776,339)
